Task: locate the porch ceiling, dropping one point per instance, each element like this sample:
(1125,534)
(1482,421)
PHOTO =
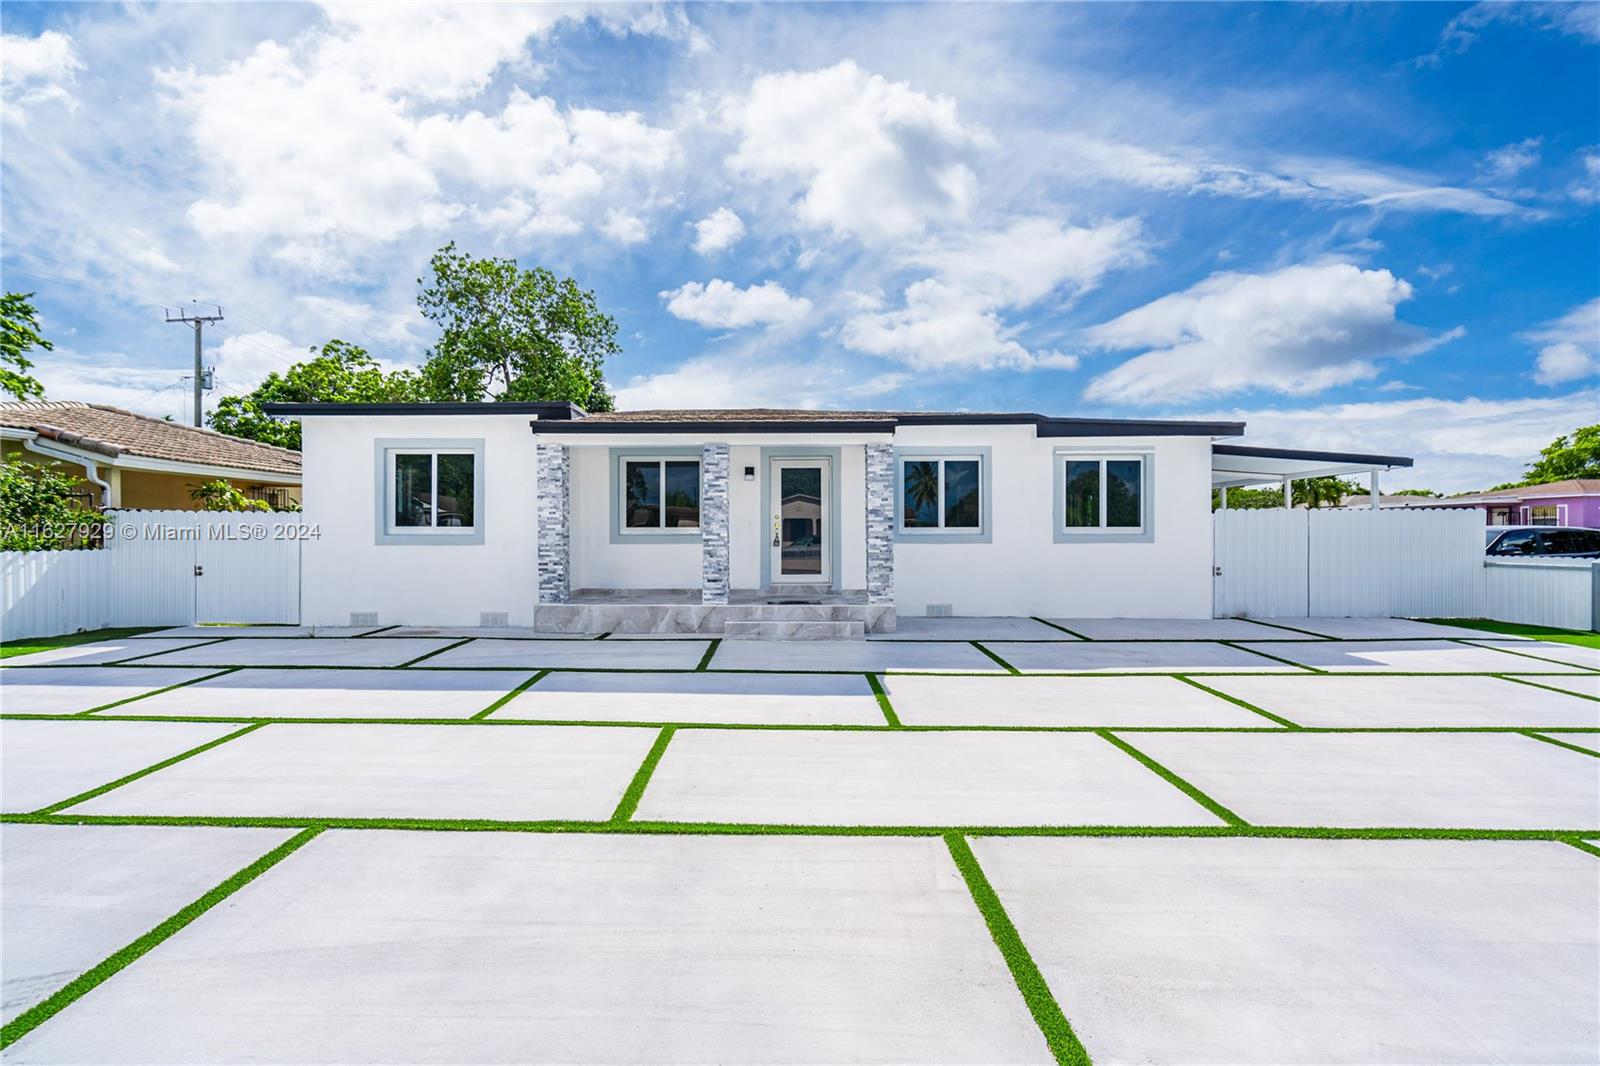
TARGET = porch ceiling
(1235,465)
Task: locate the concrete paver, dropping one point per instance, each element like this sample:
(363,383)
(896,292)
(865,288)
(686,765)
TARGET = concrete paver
(70,689)
(44,762)
(1554,651)
(395,771)
(1061,701)
(1176,629)
(1132,657)
(1407,656)
(278,651)
(1311,951)
(316,693)
(899,778)
(1356,701)
(76,893)
(99,652)
(1587,741)
(502,948)
(212,632)
(461,632)
(869,656)
(577,654)
(793,699)
(975,628)
(1423,780)
(1581,684)
(1374,628)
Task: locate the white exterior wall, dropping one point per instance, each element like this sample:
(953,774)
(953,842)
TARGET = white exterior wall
(345,570)
(637,564)
(1023,571)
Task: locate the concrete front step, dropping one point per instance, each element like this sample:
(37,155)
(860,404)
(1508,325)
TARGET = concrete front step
(853,629)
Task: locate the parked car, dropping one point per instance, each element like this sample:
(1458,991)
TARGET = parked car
(1564,541)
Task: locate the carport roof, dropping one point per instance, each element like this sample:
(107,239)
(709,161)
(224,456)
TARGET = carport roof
(1240,464)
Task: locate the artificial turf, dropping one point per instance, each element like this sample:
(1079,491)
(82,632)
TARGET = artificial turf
(29,645)
(1518,629)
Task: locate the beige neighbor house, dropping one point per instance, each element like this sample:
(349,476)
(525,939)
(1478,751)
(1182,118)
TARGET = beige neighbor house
(136,462)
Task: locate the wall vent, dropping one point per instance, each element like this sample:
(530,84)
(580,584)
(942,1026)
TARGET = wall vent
(941,610)
(363,618)
(494,619)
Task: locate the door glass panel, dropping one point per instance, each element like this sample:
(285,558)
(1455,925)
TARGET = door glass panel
(643,487)
(1083,494)
(413,490)
(800,520)
(456,506)
(1123,490)
(921,506)
(961,509)
(683,495)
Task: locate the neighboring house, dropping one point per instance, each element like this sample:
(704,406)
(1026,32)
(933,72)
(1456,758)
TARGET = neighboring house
(133,461)
(760,522)
(1574,502)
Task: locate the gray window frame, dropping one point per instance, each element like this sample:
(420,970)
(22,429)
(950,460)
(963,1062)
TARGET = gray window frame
(984,534)
(1145,534)
(621,534)
(383,493)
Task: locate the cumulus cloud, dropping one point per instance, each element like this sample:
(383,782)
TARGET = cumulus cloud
(734,380)
(1569,346)
(719,230)
(867,157)
(625,227)
(721,304)
(1586,189)
(1298,331)
(36,70)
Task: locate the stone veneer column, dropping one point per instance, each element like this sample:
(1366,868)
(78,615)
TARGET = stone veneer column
(880,523)
(552,473)
(714,523)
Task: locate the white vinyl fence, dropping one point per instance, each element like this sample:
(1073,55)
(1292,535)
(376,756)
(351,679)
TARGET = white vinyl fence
(159,568)
(1361,563)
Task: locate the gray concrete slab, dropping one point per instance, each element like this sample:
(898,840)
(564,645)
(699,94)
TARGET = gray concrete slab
(76,893)
(797,699)
(1310,952)
(70,689)
(1587,741)
(995,628)
(44,762)
(396,771)
(316,693)
(1354,701)
(462,632)
(865,656)
(1374,628)
(1175,657)
(1551,650)
(577,654)
(1581,684)
(1061,701)
(514,948)
(1444,780)
(211,632)
(276,651)
(1407,656)
(900,778)
(99,652)
(1176,629)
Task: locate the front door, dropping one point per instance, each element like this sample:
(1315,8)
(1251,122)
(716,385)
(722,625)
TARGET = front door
(801,553)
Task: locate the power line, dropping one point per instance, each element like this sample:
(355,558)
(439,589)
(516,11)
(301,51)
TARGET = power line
(198,324)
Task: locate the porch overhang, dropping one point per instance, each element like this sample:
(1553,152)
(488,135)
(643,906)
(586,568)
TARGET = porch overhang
(1238,465)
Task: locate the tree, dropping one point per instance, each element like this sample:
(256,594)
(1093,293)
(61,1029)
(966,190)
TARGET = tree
(1306,492)
(1415,492)
(19,334)
(1565,458)
(219,495)
(513,334)
(40,509)
(338,373)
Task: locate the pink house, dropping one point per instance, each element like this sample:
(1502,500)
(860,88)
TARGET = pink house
(1559,503)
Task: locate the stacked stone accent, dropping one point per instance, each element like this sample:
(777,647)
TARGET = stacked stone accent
(714,523)
(880,523)
(552,472)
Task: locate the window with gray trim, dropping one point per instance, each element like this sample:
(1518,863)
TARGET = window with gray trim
(659,495)
(941,492)
(432,491)
(1101,494)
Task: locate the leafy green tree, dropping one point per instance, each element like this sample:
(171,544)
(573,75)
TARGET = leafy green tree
(339,372)
(1564,458)
(1414,492)
(219,495)
(41,509)
(19,335)
(513,334)
(1307,492)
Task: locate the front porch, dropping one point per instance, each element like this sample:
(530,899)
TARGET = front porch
(804,613)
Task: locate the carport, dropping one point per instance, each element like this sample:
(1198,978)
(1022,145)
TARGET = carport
(1241,466)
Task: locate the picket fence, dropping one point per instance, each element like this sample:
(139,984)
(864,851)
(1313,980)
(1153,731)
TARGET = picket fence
(159,568)
(1363,563)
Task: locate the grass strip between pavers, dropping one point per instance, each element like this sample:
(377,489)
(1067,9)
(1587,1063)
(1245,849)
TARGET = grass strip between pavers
(1174,780)
(28,645)
(1291,629)
(1237,702)
(630,799)
(1582,638)
(135,659)
(1581,845)
(1012,670)
(705,660)
(162,765)
(1472,642)
(1053,625)
(1236,646)
(884,705)
(85,982)
(157,691)
(1058,1035)
(1560,743)
(509,696)
(1548,688)
(436,651)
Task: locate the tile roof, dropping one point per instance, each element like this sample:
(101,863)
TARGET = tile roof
(1570,487)
(112,431)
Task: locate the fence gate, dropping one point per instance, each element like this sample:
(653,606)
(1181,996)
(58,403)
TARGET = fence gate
(206,566)
(1261,560)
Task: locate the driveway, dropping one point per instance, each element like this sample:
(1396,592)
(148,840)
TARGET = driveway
(983,841)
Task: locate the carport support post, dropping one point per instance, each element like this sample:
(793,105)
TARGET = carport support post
(1288,494)
(714,523)
(552,473)
(1222,498)
(1374,477)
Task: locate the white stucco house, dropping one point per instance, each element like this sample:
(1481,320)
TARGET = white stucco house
(756,523)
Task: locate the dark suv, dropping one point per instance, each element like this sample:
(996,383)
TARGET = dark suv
(1521,541)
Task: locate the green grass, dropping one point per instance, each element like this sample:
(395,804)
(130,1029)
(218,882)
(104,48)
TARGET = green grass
(1517,629)
(85,982)
(509,696)
(883,701)
(1012,670)
(1561,743)
(1058,1035)
(157,691)
(635,792)
(1174,780)
(1237,702)
(29,645)
(711,649)
(162,765)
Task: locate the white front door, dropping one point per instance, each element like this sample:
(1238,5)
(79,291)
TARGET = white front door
(799,538)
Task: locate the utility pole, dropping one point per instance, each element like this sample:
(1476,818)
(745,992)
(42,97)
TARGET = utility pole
(199,324)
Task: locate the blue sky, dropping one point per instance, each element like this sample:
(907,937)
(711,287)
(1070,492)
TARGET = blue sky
(1366,227)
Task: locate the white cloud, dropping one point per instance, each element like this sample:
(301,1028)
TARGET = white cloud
(625,227)
(36,70)
(719,230)
(868,157)
(737,381)
(1581,20)
(243,360)
(1586,190)
(1569,346)
(1505,163)
(944,328)
(1298,330)
(721,304)
(1458,445)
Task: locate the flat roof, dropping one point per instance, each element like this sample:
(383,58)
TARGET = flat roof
(1237,465)
(551,410)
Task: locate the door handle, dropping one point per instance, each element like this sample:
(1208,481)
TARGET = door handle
(199,571)
(775,532)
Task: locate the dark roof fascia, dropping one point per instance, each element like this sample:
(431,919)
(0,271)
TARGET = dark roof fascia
(713,428)
(550,412)
(956,418)
(1322,457)
(1134,427)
